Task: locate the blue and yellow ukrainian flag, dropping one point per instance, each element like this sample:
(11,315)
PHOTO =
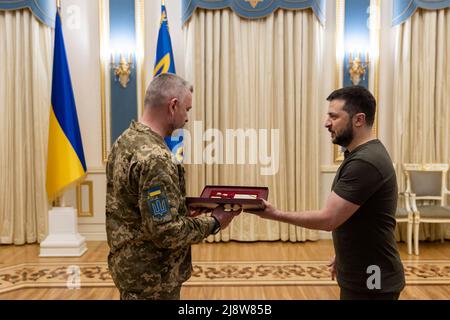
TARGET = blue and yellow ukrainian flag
(65,163)
(155,191)
(166,64)
(164,55)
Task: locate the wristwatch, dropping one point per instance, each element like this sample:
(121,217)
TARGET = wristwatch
(216,227)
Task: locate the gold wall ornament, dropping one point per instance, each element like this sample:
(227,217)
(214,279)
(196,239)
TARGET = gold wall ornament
(357,68)
(253,3)
(122,70)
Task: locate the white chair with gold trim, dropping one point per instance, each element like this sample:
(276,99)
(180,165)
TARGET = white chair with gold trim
(427,186)
(404,214)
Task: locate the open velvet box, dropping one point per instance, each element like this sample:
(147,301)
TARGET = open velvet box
(230,197)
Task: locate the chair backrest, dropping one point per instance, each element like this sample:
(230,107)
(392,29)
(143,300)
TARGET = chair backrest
(427,181)
(403,198)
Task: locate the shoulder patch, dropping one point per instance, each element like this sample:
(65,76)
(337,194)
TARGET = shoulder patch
(158,205)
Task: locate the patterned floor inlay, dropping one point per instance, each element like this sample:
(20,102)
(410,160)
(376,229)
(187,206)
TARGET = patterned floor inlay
(206,273)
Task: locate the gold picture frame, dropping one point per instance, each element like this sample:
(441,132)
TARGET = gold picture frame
(338,153)
(80,199)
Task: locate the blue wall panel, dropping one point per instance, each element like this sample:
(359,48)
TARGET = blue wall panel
(356,35)
(122,40)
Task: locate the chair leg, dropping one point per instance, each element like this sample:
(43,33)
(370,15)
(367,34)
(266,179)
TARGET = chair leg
(409,237)
(416,238)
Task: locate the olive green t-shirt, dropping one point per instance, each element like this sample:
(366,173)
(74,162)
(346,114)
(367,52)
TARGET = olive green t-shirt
(366,242)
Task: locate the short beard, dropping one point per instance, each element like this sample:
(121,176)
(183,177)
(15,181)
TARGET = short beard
(346,137)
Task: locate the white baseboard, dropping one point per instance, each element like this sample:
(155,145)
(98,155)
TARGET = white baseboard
(325,235)
(94,236)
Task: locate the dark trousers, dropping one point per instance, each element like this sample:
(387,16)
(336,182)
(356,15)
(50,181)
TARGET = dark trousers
(159,295)
(373,295)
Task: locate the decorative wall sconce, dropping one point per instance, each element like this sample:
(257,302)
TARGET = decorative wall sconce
(357,68)
(122,70)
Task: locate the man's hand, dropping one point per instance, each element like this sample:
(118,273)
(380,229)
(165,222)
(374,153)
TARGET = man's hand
(269,212)
(332,266)
(225,217)
(193,212)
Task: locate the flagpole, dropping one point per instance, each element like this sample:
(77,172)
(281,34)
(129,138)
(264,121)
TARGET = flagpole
(59,200)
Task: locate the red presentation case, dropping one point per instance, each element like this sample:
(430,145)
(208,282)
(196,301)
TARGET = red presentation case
(230,197)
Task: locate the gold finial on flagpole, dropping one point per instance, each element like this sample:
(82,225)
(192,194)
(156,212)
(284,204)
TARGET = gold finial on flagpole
(163,2)
(58,4)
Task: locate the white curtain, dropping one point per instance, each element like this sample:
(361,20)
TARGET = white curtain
(259,74)
(25,79)
(421,95)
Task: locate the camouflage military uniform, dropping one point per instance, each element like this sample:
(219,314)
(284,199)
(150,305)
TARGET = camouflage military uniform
(147,224)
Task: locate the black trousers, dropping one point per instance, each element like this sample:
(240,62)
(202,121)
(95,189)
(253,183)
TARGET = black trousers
(373,295)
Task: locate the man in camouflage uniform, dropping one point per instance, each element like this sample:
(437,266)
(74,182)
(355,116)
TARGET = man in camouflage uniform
(149,228)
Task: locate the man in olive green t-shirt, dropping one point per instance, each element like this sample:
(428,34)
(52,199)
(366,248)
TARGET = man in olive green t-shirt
(360,210)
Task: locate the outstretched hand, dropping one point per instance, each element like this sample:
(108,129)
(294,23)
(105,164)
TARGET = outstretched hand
(269,212)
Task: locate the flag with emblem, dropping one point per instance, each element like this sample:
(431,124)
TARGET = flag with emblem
(65,162)
(165,63)
(155,191)
(158,205)
(164,55)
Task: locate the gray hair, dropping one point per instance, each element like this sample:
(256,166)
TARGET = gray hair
(164,87)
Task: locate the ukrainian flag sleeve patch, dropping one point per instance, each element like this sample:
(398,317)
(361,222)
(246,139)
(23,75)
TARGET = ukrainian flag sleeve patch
(158,205)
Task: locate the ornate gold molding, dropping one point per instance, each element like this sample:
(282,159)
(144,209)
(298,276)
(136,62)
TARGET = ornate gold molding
(338,155)
(375,41)
(104,48)
(140,54)
(90,211)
